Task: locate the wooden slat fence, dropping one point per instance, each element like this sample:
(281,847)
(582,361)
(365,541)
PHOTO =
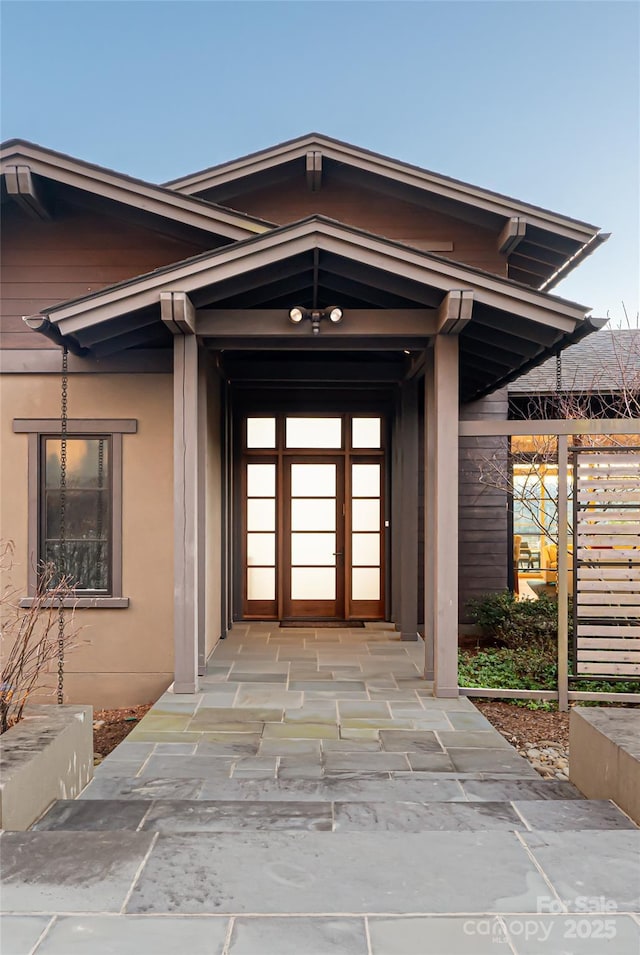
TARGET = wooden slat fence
(606,534)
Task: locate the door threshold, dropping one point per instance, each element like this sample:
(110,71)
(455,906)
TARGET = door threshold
(317,624)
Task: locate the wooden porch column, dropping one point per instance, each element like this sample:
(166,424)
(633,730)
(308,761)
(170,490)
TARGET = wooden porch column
(186,559)
(201,520)
(441,518)
(409,511)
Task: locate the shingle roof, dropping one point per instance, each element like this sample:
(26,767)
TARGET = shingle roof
(605,361)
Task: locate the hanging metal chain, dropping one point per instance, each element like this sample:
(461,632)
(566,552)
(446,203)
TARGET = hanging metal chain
(64,422)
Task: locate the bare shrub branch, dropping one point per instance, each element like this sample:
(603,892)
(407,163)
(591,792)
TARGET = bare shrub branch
(29,636)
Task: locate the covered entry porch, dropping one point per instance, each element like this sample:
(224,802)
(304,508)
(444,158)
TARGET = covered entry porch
(418,336)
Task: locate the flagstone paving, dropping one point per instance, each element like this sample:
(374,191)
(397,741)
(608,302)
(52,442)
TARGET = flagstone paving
(314,798)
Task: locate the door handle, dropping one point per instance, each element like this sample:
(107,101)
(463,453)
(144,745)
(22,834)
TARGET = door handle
(338,553)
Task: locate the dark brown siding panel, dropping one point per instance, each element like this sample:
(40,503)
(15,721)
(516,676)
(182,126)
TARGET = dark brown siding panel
(76,252)
(383,215)
(483,517)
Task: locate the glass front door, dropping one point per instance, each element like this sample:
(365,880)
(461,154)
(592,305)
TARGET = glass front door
(313,517)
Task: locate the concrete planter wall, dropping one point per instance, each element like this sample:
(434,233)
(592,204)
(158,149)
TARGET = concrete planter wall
(47,756)
(604,760)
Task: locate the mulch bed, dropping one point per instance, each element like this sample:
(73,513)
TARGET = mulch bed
(110,727)
(526,727)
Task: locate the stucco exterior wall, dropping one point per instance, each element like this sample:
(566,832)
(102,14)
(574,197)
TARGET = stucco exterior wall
(124,656)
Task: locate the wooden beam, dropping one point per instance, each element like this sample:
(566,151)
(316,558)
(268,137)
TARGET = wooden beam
(367,322)
(549,426)
(512,234)
(314,170)
(318,371)
(23,190)
(178,313)
(455,311)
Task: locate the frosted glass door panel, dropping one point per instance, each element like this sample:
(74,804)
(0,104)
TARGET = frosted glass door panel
(365,583)
(313,549)
(261,550)
(261,480)
(313,515)
(365,480)
(261,432)
(261,583)
(314,433)
(313,480)
(313,583)
(365,433)
(261,515)
(365,515)
(365,550)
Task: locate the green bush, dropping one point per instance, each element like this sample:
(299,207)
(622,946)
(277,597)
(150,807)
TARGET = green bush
(517,624)
(506,668)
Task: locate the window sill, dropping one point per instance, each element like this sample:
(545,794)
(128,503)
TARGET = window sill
(82,603)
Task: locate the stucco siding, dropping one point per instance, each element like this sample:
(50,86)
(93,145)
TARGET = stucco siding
(123,656)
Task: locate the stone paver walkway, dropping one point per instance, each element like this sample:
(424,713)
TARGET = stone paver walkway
(315,799)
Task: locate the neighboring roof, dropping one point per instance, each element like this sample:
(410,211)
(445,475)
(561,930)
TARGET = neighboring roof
(604,362)
(147,197)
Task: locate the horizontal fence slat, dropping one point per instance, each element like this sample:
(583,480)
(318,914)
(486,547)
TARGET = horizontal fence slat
(595,554)
(608,656)
(608,514)
(606,597)
(597,643)
(609,497)
(607,586)
(602,629)
(612,458)
(610,573)
(610,669)
(616,541)
(612,484)
(616,527)
(614,613)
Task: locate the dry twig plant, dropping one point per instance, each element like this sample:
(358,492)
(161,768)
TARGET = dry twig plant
(29,637)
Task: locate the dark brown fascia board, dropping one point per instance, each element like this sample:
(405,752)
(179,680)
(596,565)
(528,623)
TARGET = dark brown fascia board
(590,325)
(560,274)
(378,164)
(197,213)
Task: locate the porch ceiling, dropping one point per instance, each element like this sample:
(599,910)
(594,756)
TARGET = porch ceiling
(393,300)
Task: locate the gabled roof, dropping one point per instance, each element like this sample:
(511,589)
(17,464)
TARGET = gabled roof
(512,326)
(572,238)
(319,232)
(147,197)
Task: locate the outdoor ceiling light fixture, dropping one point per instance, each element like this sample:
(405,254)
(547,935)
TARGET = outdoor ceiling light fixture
(315,315)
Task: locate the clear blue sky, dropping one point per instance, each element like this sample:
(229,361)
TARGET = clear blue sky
(539,100)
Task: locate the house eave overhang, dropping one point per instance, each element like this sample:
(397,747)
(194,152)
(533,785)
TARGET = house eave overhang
(526,324)
(307,234)
(587,327)
(143,196)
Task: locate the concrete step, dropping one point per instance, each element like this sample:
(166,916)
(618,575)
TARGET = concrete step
(346,787)
(271,873)
(188,815)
